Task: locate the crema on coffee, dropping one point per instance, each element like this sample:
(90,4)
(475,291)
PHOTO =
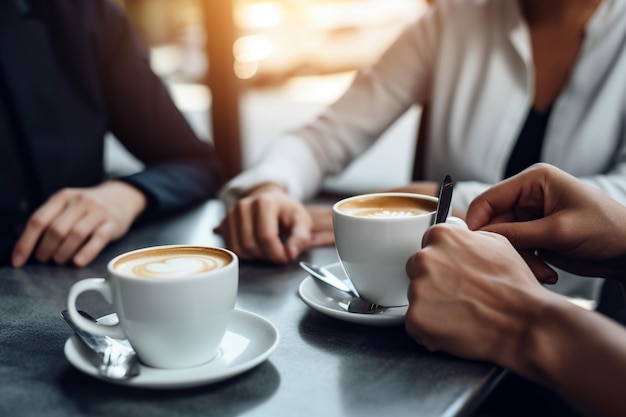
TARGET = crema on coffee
(172,262)
(386,206)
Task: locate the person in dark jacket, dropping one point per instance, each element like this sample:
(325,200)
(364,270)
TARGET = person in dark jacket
(72,71)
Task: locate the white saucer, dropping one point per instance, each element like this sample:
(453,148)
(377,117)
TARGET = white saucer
(323,301)
(249,340)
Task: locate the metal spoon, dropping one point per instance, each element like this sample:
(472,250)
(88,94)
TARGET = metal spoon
(355,304)
(118,360)
(328,277)
(445,197)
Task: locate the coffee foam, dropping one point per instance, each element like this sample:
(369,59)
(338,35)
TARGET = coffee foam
(387,206)
(390,213)
(164,263)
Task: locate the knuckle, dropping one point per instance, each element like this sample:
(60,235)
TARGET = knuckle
(83,198)
(247,246)
(239,213)
(265,238)
(102,234)
(419,263)
(263,203)
(37,221)
(56,231)
(242,205)
(442,231)
(78,234)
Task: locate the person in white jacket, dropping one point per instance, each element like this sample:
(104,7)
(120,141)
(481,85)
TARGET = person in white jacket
(507,82)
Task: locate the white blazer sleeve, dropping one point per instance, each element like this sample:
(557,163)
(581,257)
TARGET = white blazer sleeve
(378,96)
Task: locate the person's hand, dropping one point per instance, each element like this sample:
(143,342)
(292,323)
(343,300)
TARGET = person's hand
(567,223)
(267,224)
(77,223)
(471,294)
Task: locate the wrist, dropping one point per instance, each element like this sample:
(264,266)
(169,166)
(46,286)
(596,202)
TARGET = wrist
(133,199)
(539,352)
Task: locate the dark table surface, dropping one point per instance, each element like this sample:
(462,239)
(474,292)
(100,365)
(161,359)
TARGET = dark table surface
(322,366)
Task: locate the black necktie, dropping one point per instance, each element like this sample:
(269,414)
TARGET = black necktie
(527,150)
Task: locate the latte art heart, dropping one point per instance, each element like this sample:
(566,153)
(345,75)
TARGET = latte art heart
(184,266)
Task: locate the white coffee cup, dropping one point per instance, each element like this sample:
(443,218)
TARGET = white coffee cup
(173,302)
(375,234)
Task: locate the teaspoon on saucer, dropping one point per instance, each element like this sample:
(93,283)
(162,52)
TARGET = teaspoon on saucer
(117,360)
(355,304)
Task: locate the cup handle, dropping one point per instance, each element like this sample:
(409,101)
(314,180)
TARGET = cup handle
(457,221)
(99,285)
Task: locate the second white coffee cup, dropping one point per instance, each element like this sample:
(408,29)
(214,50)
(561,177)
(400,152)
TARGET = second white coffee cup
(173,302)
(375,234)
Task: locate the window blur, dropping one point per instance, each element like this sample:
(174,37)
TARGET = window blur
(290,57)
(276,39)
(280,39)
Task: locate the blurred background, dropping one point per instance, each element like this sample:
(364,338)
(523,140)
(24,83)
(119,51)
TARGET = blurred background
(244,71)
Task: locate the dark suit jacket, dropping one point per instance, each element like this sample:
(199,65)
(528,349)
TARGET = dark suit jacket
(71,71)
